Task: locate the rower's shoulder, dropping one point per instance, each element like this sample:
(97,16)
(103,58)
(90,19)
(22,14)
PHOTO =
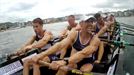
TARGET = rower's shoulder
(78,27)
(34,36)
(73,31)
(69,27)
(72,34)
(48,32)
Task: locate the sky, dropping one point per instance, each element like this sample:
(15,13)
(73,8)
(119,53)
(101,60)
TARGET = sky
(24,10)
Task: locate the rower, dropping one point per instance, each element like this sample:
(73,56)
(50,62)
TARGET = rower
(72,24)
(78,56)
(99,25)
(42,37)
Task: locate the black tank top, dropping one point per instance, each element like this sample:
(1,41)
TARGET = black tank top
(78,45)
(38,37)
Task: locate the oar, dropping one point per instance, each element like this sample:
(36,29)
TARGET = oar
(129,29)
(72,70)
(118,42)
(126,25)
(126,33)
(15,54)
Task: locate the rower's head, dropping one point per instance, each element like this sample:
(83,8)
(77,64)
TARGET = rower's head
(99,18)
(87,25)
(111,17)
(71,20)
(37,25)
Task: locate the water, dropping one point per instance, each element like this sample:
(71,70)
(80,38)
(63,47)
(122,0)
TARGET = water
(10,40)
(128,55)
(126,20)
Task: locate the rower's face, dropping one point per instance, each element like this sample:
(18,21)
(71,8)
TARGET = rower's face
(110,18)
(86,26)
(71,20)
(100,19)
(37,27)
(89,27)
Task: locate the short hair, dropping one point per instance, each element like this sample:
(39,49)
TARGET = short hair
(97,15)
(71,16)
(38,20)
(112,15)
(91,19)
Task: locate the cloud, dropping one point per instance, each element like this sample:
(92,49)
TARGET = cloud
(24,10)
(21,7)
(16,10)
(116,4)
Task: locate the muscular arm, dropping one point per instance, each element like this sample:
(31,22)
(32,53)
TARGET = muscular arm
(60,45)
(101,50)
(31,40)
(63,34)
(106,26)
(43,41)
(63,52)
(85,52)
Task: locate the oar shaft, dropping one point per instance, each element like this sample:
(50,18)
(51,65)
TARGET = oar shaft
(44,63)
(129,29)
(117,42)
(129,34)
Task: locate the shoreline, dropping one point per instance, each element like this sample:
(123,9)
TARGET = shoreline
(51,23)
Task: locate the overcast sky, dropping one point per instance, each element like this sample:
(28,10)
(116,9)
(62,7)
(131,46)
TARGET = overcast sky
(24,10)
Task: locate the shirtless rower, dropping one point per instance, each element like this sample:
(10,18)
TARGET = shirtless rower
(72,24)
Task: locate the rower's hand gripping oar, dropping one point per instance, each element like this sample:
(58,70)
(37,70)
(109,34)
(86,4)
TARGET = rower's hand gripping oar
(12,55)
(72,70)
(44,63)
(17,54)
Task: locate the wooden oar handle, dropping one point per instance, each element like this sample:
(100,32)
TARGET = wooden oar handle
(44,63)
(65,67)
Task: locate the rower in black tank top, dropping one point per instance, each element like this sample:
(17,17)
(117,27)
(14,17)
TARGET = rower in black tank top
(38,37)
(79,46)
(52,57)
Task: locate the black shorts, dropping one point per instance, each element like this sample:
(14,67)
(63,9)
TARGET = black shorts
(85,61)
(53,57)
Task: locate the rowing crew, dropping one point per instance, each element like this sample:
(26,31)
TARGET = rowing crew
(84,44)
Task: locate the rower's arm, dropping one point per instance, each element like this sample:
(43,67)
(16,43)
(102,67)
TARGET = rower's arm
(30,41)
(85,52)
(63,52)
(63,33)
(60,45)
(101,51)
(106,26)
(22,49)
(41,43)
